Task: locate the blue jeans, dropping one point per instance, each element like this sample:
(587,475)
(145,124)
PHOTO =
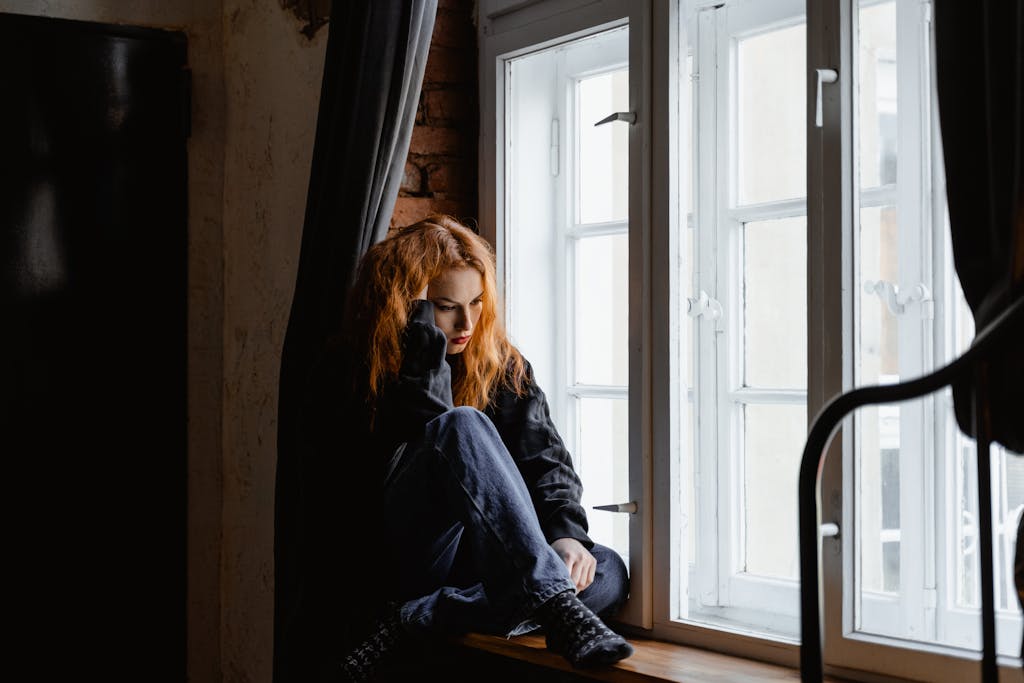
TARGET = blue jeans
(466,550)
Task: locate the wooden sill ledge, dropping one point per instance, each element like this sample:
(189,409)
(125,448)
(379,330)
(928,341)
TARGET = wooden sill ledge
(652,662)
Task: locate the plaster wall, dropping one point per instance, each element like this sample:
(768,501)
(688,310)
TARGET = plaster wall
(256,81)
(272,77)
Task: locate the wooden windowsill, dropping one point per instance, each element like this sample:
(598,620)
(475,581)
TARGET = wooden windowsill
(653,661)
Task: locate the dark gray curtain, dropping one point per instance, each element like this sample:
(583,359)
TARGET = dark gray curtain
(376,54)
(980,82)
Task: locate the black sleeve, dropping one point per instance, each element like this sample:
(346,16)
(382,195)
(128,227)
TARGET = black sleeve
(525,426)
(423,389)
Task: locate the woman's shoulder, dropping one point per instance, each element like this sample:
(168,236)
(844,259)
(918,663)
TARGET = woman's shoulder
(517,385)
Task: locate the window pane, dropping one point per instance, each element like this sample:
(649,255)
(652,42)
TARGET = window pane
(878,501)
(774,438)
(603,465)
(603,150)
(531,237)
(602,312)
(879,358)
(771,115)
(877,94)
(1008,501)
(775,303)
(878,435)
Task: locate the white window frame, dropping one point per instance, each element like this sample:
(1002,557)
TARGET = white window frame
(510,29)
(832,175)
(718,581)
(909,194)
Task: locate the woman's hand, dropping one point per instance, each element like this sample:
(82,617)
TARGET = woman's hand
(578,560)
(423,294)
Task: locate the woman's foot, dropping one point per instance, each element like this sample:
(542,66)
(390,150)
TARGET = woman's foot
(387,635)
(578,634)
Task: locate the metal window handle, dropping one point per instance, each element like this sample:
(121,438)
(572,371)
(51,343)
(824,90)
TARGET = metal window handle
(824,76)
(627,116)
(629,507)
(889,293)
(705,306)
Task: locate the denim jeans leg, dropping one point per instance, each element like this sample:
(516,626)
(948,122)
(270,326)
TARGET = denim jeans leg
(611,583)
(463,474)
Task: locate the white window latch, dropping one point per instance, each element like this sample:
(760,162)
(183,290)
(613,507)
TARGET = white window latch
(889,293)
(627,116)
(824,76)
(629,507)
(703,305)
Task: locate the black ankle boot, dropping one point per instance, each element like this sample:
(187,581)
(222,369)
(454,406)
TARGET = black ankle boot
(387,635)
(578,634)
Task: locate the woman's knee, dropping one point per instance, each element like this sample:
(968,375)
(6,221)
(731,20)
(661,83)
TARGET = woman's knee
(611,582)
(611,565)
(463,420)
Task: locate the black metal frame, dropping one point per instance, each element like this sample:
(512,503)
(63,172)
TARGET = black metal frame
(821,432)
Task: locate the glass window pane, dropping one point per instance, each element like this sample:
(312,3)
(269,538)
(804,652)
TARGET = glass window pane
(877,94)
(602,310)
(774,438)
(603,166)
(603,465)
(878,499)
(878,436)
(775,303)
(771,115)
(1008,503)
(879,359)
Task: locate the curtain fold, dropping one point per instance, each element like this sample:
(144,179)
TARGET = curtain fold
(373,73)
(980,81)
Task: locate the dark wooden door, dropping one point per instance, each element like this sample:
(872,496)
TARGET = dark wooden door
(93,253)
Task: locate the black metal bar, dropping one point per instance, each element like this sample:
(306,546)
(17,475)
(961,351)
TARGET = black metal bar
(809,492)
(983,440)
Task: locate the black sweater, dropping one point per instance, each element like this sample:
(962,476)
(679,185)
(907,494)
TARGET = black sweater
(423,391)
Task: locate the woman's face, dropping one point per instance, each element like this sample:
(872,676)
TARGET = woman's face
(456,297)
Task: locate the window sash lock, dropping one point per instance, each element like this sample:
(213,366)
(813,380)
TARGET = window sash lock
(629,508)
(627,116)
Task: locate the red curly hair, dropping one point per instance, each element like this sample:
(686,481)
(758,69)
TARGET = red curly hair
(390,276)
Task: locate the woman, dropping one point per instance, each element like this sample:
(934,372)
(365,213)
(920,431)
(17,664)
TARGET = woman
(480,522)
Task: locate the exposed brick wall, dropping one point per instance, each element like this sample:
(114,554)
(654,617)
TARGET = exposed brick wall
(441,169)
